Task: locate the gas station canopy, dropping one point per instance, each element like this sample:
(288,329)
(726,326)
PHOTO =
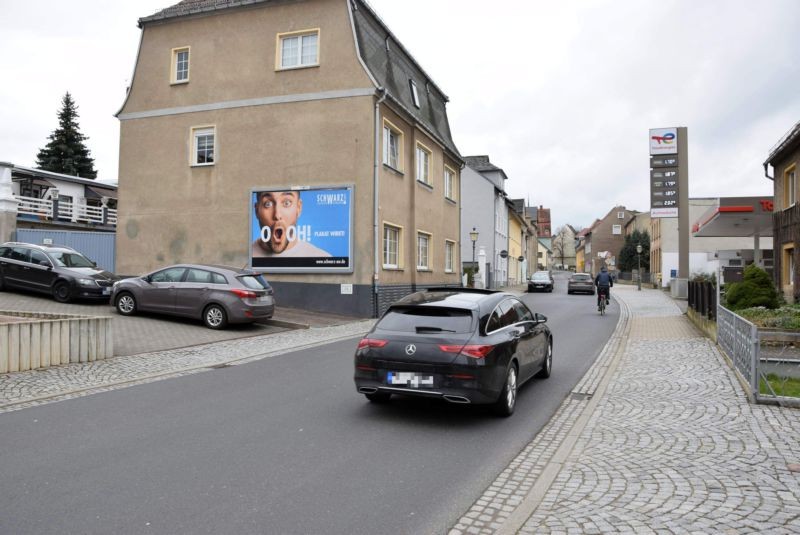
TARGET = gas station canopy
(736,217)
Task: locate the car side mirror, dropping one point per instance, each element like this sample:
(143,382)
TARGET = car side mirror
(147,279)
(540,318)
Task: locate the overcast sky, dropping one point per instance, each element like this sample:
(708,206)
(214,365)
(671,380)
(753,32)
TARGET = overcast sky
(559,94)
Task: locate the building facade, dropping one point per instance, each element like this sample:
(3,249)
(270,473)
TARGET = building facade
(239,109)
(605,239)
(484,207)
(784,158)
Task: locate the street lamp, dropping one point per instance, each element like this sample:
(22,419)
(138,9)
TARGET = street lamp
(473,235)
(639,256)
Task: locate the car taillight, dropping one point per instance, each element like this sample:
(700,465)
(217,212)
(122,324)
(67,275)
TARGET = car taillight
(371,342)
(244,294)
(474,351)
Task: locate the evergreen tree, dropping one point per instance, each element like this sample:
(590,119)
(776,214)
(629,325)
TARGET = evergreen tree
(628,258)
(65,152)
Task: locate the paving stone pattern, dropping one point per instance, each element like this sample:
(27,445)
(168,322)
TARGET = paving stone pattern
(673,446)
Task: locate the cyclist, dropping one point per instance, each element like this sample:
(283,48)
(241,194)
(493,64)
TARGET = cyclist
(604,282)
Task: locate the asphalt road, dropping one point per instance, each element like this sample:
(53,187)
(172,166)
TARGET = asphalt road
(282,445)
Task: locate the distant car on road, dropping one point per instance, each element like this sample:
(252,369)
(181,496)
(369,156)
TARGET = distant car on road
(541,280)
(56,270)
(460,345)
(580,282)
(217,295)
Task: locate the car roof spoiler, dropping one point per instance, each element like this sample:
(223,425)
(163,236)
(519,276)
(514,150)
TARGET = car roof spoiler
(460,289)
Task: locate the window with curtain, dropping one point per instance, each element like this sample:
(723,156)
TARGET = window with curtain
(449,255)
(449,183)
(180,65)
(299,50)
(423,165)
(423,250)
(391,246)
(391,147)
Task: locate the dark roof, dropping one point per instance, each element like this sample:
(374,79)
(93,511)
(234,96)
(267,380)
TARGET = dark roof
(390,64)
(393,68)
(481,163)
(193,7)
(789,140)
(519,205)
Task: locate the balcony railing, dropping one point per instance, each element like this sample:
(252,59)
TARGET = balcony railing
(66,211)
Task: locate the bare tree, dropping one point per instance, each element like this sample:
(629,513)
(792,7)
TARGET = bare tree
(560,244)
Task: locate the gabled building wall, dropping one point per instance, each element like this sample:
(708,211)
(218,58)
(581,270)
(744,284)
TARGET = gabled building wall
(279,129)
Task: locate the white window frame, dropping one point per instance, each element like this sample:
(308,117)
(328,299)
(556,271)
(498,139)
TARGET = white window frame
(449,256)
(788,265)
(620,215)
(174,79)
(283,38)
(387,264)
(424,256)
(790,186)
(449,183)
(196,133)
(616,229)
(423,160)
(389,130)
(414,92)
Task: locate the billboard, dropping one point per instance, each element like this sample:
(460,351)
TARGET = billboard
(301,230)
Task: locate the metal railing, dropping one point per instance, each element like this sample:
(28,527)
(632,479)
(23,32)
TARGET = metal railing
(66,211)
(703,298)
(739,339)
(767,361)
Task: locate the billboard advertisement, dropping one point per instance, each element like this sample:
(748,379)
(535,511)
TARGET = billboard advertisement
(301,230)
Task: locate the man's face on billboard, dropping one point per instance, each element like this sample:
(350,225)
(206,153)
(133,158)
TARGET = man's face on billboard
(279,211)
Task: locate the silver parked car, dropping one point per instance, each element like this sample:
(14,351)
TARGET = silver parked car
(216,294)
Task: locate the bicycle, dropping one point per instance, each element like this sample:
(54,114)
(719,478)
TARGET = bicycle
(601,295)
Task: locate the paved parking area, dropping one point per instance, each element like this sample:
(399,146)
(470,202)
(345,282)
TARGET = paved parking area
(148,332)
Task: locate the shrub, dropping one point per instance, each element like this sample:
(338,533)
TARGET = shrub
(756,290)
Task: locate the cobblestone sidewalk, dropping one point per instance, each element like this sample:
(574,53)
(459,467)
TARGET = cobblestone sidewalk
(665,442)
(25,389)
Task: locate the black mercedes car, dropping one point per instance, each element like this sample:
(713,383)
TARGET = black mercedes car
(462,345)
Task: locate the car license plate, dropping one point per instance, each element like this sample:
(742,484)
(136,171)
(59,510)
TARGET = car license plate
(414,380)
(263,299)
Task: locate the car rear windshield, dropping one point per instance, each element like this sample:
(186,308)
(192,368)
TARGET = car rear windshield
(70,260)
(581,278)
(541,277)
(254,282)
(426,319)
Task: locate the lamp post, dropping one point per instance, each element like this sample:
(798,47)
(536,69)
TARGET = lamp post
(473,235)
(639,257)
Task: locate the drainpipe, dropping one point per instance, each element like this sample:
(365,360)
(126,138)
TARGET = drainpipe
(375,187)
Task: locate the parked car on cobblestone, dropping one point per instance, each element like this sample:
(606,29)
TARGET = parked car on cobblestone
(217,295)
(580,282)
(56,270)
(541,280)
(463,346)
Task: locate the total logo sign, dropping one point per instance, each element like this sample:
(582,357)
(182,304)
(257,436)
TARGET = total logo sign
(663,141)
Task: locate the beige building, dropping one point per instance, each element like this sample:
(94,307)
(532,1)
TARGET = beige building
(233,102)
